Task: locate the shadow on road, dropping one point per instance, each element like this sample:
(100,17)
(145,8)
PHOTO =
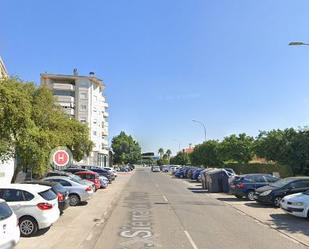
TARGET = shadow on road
(258,205)
(291,223)
(198,190)
(231,199)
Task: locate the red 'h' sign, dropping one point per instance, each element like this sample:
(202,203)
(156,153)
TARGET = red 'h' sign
(61,158)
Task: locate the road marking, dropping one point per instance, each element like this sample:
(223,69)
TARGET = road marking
(164,197)
(191,240)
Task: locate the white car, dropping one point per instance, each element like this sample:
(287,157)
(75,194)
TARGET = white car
(296,204)
(9,230)
(112,169)
(36,206)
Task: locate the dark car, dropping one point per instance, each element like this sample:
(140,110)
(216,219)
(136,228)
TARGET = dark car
(74,170)
(59,190)
(58,173)
(180,173)
(196,174)
(274,192)
(245,185)
(103,172)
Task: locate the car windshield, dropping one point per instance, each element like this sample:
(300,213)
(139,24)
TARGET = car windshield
(282,182)
(5,211)
(76,179)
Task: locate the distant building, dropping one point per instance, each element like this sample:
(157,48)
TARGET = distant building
(82,97)
(7,167)
(189,149)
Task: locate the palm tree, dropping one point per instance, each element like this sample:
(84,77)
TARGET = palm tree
(168,153)
(161,152)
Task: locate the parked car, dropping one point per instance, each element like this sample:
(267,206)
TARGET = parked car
(112,170)
(274,192)
(59,190)
(103,172)
(77,191)
(72,176)
(35,206)
(9,229)
(245,185)
(296,204)
(104,181)
(155,168)
(203,176)
(196,173)
(90,176)
(180,173)
(74,170)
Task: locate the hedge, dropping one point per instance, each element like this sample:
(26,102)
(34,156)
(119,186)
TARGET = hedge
(284,171)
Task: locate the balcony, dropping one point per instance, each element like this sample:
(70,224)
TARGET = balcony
(105,132)
(61,86)
(66,99)
(105,114)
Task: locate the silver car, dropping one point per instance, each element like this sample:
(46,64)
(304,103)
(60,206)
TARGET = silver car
(104,181)
(78,192)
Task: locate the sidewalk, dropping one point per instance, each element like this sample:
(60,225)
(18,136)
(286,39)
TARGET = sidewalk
(78,225)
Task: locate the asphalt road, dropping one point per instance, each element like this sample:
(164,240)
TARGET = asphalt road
(158,211)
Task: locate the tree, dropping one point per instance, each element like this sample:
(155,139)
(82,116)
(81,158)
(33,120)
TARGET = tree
(168,153)
(32,124)
(206,154)
(182,158)
(126,149)
(161,152)
(237,148)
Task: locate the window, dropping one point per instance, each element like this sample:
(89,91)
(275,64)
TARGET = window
(83,96)
(64,183)
(28,196)
(5,211)
(95,121)
(271,178)
(258,178)
(94,133)
(11,195)
(83,107)
(48,195)
(300,184)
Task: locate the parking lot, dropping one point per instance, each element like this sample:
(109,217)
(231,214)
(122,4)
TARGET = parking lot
(79,226)
(293,228)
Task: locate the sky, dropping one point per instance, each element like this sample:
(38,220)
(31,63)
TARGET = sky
(226,63)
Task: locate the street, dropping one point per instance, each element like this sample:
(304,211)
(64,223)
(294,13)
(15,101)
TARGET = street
(158,211)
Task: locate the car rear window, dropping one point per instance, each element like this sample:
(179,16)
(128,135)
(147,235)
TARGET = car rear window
(59,188)
(48,195)
(5,211)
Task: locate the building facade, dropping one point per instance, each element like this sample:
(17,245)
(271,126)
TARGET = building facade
(82,98)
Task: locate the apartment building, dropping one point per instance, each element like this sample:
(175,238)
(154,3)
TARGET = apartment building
(82,97)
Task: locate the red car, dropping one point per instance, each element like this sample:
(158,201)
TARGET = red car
(90,176)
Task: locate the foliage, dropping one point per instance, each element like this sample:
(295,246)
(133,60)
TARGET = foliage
(182,158)
(207,154)
(161,152)
(126,149)
(237,148)
(32,124)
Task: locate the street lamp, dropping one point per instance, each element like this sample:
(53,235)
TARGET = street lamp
(297,43)
(202,124)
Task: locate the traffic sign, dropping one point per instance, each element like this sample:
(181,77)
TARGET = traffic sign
(61,157)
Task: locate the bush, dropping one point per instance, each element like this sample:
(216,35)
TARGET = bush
(268,168)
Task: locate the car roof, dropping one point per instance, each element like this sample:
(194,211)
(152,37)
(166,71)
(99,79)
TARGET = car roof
(255,174)
(28,187)
(41,182)
(86,172)
(58,177)
(298,178)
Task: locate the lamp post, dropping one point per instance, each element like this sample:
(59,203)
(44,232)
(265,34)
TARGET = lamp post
(204,127)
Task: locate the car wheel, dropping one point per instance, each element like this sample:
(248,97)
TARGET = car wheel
(250,195)
(74,200)
(277,201)
(28,226)
(238,196)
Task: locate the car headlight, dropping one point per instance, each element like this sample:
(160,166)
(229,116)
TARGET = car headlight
(297,203)
(265,193)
